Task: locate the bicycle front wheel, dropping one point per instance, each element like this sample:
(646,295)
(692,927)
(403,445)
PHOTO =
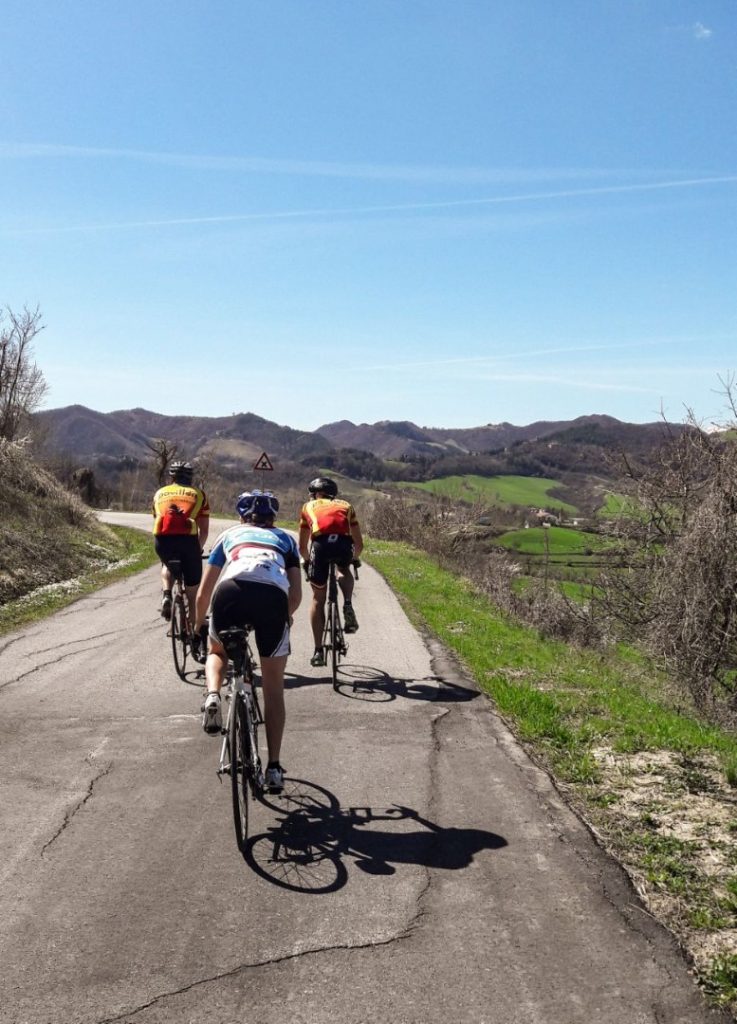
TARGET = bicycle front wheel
(240,757)
(179,635)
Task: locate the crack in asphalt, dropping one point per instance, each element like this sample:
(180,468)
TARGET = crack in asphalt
(421,911)
(411,926)
(81,640)
(73,810)
(128,1015)
(45,664)
(15,640)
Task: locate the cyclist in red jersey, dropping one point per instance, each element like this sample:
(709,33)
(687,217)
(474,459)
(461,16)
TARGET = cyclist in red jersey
(328,532)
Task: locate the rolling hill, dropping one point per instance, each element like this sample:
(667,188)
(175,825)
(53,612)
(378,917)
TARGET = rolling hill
(88,435)
(581,455)
(401,439)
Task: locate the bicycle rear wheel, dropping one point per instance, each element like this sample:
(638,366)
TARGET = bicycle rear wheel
(240,756)
(179,635)
(335,642)
(253,767)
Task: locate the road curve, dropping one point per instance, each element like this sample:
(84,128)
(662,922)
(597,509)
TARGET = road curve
(420,868)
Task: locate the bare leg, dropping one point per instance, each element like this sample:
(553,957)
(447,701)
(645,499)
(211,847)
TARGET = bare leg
(272,681)
(215,666)
(165,578)
(191,593)
(345,582)
(317,613)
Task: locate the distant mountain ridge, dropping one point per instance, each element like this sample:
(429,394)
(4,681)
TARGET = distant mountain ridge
(397,439)
(92,435)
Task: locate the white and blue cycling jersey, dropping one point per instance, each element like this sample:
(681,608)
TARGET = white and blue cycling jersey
(258,553)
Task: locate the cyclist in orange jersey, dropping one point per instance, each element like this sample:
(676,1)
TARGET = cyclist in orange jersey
(328,532)
(181,524)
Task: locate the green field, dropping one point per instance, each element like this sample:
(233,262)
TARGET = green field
(572,560)
(561,541)
(497,490)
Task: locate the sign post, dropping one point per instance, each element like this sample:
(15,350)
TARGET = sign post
(263,462)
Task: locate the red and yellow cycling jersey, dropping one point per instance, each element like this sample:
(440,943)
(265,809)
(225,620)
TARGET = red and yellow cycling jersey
(328,515)
(177,508)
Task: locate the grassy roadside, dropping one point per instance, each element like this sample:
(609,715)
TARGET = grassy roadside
(657,787)
(120,553)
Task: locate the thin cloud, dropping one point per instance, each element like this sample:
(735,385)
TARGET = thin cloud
(589,385)
(697,30)
(449,204)
(534,353)
(305,168)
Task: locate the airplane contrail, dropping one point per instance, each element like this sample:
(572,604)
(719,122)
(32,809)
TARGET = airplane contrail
(446,204)
(492,358)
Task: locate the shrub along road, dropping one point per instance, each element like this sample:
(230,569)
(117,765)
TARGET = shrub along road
(419,867)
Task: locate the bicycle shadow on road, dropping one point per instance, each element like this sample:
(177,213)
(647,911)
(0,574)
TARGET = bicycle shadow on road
(364,682)
(194,676)
(308,849)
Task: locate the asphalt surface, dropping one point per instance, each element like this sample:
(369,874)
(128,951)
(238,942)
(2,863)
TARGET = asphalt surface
(420,868)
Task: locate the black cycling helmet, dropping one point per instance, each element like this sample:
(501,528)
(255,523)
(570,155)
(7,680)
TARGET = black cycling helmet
(181,472)
(257,505)
(323,485)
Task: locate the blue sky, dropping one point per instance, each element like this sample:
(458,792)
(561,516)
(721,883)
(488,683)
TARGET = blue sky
(450,212)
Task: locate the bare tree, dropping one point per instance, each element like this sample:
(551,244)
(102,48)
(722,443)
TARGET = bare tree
(678,592)
(22,385)
(163,452)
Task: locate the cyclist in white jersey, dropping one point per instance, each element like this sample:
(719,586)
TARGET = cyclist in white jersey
(252,577)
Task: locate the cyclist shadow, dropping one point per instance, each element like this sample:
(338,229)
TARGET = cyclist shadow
(308,849)
(294,681)
(364,682)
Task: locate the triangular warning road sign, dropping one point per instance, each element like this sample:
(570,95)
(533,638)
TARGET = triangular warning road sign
(263,462)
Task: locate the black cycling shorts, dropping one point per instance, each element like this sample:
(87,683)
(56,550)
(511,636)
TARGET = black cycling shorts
(260,605)
(332,547)
(187,550)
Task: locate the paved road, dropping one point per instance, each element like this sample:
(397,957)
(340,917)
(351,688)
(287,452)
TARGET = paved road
(419,869)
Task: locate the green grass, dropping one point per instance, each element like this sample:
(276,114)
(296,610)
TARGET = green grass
(497,490)
(614,504)
(564,702)
(127,552)
(600,696)
(721,981)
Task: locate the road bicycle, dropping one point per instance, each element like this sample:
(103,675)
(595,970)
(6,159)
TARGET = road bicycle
(179,624)
(239,757)
(333,635)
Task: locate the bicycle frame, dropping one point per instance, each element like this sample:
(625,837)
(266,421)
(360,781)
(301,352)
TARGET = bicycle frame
(333,638)
(239,755)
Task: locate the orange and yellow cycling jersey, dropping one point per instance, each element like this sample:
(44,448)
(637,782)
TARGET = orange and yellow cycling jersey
(177,508)
(328,515)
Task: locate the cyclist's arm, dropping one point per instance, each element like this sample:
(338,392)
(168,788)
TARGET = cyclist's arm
(203,528)
(204,594)
(357,540)
(304,541)
(295,589)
